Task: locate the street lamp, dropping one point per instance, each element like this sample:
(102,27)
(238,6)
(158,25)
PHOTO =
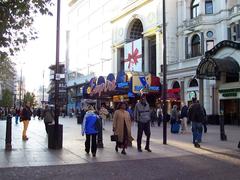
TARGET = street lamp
(164,89)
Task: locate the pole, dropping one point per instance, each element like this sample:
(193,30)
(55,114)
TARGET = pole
(164,89)
(20,90)
(55,131)
(8,140)
(43,89)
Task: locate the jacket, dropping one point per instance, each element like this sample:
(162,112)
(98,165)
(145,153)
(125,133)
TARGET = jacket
(142,112)
(48,116)
(196,113)
(26,114)
(184,111)
(91,124)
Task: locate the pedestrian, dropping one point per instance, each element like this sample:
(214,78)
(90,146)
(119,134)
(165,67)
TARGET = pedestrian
(48,116)
(122,127)
(174,120)
(39,113)
(153,116)
(142,117)
(103,112)
(184,117)
(91,127)
(26,114)
(17,115)
(196,115)
(159,115)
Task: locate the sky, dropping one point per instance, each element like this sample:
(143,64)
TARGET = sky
(39,54)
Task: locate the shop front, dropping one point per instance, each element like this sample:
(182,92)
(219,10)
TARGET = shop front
(221,64)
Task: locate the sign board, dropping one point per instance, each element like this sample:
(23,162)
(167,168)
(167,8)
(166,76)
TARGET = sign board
(133,56)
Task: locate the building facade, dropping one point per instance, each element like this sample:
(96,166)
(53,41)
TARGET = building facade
(193,28)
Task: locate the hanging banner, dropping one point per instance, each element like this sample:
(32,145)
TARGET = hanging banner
(133,56)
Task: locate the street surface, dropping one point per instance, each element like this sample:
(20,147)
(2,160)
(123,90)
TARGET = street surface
(178,160)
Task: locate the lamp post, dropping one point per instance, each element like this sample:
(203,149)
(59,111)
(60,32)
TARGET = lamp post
(20,90)
(56,130)
(164,89)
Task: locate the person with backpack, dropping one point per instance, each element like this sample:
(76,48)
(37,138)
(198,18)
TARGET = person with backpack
(184,118)
(197,116)
(91,127)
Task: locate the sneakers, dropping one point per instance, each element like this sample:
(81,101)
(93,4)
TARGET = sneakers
(148,149)
(94,154)
(196,145)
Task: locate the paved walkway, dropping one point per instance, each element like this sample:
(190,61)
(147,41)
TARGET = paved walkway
(34,152)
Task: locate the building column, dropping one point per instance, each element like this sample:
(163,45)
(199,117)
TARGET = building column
(116,60)
(159,53)
(201,92)
(146,55)
(182,88)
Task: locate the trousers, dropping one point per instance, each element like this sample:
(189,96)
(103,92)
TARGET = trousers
(143,127)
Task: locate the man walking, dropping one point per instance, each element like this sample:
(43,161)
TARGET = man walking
(197,117)
(184,117)
(142,117)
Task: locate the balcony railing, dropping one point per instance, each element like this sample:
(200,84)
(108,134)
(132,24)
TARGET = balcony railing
(234,10)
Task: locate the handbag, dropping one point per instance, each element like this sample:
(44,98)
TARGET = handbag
(114,138)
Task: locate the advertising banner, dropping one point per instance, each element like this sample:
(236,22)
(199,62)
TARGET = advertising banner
(133,56)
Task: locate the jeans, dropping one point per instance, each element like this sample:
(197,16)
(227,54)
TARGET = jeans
(146,128)
(197,132)
(16,119)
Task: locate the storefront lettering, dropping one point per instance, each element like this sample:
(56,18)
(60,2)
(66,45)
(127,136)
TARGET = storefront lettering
(104,87)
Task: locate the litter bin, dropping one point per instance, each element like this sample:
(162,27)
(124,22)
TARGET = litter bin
(55,136)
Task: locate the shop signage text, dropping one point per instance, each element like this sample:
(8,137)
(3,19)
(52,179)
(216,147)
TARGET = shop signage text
(104,87)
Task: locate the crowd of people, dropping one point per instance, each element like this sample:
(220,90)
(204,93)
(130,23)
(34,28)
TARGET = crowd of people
(93,121)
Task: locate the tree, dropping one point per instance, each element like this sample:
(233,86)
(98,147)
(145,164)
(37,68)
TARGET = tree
(16,20)
(7,70)
(7,98)
(30,97)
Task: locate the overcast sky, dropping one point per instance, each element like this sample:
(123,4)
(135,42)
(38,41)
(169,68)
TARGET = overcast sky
(39,54)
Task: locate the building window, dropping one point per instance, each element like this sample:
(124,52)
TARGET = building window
(195,8)
(196,46)
(208,7)
(176,85)
(136,30)
(209,44)
(209,34)
(193,83)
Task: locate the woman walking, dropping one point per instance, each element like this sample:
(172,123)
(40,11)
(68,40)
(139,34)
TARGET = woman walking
(25,118)
(122,127)
(174,120)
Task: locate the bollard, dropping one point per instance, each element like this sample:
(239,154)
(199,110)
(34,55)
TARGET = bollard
(8,140)
(222,130)
(100,136)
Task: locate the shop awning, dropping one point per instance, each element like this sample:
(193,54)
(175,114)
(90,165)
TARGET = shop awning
(211,68)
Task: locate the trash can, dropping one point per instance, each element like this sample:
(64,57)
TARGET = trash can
(55,136)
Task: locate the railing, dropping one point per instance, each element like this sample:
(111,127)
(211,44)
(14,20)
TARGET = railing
(234,10)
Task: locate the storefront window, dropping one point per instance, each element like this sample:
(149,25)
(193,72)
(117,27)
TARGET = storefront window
(193,83)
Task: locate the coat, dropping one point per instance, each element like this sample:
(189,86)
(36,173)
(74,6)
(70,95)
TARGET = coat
(119,117)
(91,123)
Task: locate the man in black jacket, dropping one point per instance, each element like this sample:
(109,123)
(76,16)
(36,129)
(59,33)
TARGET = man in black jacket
(197,116)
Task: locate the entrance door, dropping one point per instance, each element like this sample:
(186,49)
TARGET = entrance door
(231,109)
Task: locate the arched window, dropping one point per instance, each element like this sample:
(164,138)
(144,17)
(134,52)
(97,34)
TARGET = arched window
(176,85)
(136,30)
(196,46)
(195,8)
(193,83)
(208,7)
